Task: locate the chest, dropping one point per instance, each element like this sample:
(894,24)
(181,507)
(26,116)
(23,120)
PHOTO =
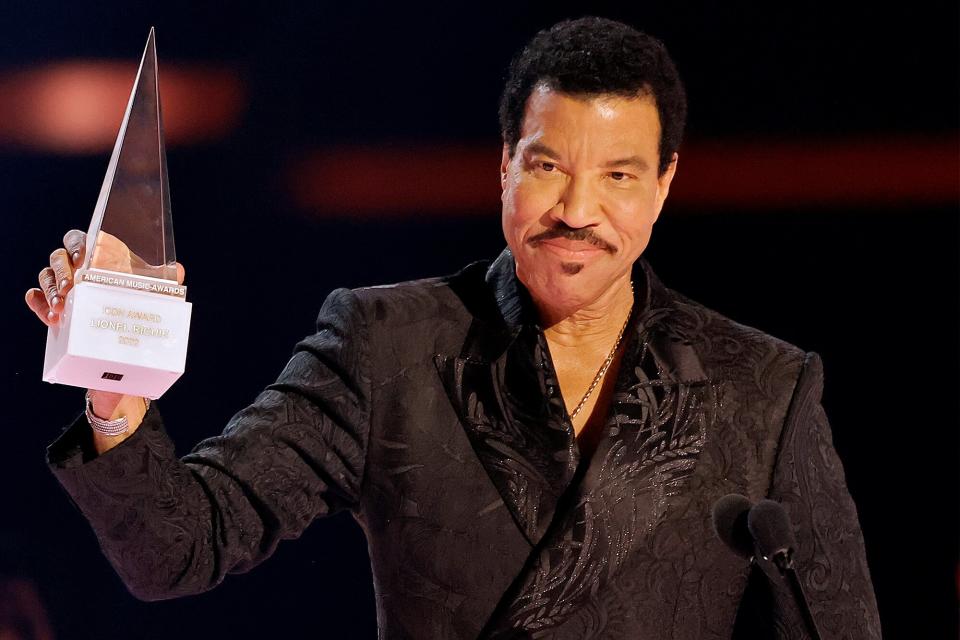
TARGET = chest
(587,388)
(489,433)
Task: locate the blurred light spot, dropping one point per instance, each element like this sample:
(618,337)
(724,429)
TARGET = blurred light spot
(77,107)
(884,170)
(387,180)
(457,180)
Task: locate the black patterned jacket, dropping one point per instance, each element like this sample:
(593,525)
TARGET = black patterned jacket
(431,411)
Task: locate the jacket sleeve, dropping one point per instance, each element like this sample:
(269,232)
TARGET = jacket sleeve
(175,527)
(808,480)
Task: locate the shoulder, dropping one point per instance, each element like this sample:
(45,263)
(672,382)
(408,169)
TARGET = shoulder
(731,348)
(441,299)
(758,376)
(405,324)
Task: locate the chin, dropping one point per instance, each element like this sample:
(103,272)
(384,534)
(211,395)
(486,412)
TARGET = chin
(566,285)
(571,268)
(561,281)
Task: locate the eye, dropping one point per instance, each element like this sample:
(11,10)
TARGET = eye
(619,176)
(547,166)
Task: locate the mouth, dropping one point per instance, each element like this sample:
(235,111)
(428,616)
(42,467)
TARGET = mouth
(570,249)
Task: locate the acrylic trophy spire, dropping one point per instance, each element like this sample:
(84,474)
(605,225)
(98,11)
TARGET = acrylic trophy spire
(125,322)
(134,202)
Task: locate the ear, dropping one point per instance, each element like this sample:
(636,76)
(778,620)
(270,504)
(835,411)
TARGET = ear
(663,182)
(504,163)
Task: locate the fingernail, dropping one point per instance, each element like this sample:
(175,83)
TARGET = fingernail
(51,315)
(76,256)
(54,301)
(63,283)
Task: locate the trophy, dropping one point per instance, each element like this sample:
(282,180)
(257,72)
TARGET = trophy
(125,322)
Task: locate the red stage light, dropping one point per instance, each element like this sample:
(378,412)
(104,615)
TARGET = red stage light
(756,175)
(76,107)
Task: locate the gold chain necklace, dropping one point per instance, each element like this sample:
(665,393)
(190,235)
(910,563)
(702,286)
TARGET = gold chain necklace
(606,363)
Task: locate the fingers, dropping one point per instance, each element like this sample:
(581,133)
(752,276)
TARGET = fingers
(37,302)
(48,284)
(57,279)
(75,242)
(43,301)
(62,270)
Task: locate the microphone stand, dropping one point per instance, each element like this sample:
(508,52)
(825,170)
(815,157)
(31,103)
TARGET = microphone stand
(784,563)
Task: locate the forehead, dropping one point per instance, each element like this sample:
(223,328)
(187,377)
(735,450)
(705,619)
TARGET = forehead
(605,122)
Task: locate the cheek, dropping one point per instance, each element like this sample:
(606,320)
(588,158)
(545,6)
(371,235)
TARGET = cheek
(532,200)
(513,221)
(523,207)
(631,215)
(633,228)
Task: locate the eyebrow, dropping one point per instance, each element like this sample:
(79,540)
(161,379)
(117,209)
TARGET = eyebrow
(539,147)
(635,161)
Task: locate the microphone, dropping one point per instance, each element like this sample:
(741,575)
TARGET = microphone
(730,523)
(772,534)
(770,528)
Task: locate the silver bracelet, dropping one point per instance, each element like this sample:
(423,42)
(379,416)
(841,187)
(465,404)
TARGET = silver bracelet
(110,428)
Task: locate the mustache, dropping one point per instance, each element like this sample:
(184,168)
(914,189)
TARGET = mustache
(575,235)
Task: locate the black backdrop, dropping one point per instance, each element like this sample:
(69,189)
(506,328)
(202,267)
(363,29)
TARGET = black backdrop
(873,289)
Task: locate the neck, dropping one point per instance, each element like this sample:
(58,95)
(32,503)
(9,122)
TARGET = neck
(592,323)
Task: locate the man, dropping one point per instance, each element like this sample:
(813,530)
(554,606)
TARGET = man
(532,447)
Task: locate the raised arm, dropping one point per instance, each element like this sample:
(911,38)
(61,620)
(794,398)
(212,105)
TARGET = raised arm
(175,527)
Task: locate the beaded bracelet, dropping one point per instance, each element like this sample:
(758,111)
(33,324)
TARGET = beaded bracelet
(110,428)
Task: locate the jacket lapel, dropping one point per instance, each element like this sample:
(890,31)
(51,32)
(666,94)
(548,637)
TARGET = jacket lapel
(498,386)
(657,426)
(662,405)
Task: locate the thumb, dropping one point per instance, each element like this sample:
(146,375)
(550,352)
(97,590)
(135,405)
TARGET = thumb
(181,273)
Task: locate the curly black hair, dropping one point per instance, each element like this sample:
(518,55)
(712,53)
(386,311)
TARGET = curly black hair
(594,56)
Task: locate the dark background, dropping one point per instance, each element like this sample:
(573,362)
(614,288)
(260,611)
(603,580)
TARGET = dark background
(871,286)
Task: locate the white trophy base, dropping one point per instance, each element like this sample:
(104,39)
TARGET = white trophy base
(121,340)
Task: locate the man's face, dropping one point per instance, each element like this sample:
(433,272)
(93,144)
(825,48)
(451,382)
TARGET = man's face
(581,193)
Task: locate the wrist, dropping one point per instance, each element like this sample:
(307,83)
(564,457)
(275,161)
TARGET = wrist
(127,413)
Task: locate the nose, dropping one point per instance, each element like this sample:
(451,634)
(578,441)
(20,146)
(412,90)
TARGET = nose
(578,206)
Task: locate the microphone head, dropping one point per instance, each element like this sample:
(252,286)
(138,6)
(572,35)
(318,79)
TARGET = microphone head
(770,527)
(730,522)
